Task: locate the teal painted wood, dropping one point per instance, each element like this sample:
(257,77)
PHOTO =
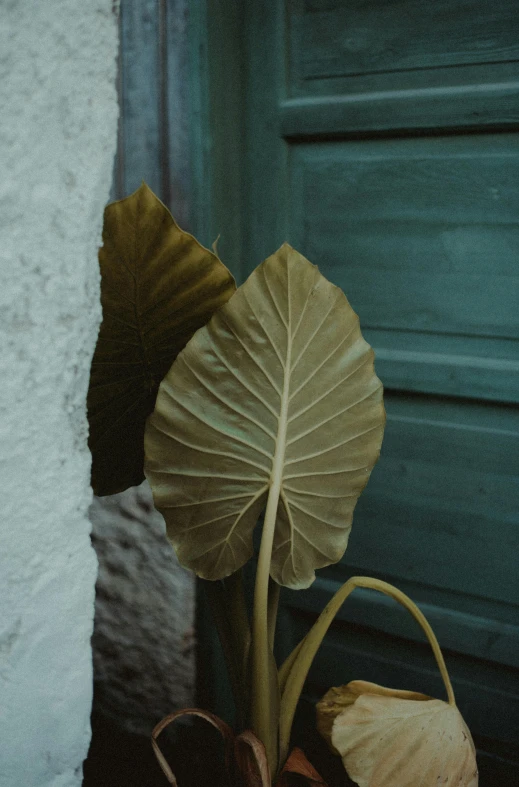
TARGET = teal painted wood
(226,53)
(333,38)
(158,110)
(200,144)
(403,111)
(470,366)
(140,74)
(155,124)
(265,162)
(217,117)
(424,216)
(175,109)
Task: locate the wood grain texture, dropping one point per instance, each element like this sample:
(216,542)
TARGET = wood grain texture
(446,498)
(265,193)
(422,234)
(140,74)
(404,111)
(474,367)
(175,110)
(334,38)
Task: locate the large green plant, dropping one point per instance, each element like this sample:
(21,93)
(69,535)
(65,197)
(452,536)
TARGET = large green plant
(272,407)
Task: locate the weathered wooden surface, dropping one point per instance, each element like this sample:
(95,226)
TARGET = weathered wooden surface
(337,39)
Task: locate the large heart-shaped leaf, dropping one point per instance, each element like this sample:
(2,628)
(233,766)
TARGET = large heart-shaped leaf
(277,392)
(158,286)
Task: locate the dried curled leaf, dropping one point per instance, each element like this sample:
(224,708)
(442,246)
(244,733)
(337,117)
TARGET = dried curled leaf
(246,759)
(297,768)
(395,741)
(158,286)
(338,698)
(250,760)
(277,391)
(223,728)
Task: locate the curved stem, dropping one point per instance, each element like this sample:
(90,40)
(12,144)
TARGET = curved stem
(286,667)
(308,648)
(405,601)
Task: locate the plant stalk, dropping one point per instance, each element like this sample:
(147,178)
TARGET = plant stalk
(264,706)
(302,661)
(265,685)
(272,610)
(261,705)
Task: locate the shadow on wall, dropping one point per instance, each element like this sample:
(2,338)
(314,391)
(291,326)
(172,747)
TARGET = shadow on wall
(143,642)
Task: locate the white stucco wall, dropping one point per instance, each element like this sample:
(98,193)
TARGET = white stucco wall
(57,141)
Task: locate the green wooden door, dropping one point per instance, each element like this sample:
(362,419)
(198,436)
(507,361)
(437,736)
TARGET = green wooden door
(380,139)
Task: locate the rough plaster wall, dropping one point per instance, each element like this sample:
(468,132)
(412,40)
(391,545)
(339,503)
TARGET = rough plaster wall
(143,639)
(58,117)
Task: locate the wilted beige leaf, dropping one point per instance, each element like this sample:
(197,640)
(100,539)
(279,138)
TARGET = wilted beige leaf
(158,286)
(278,390)
(386,740)
(338,698)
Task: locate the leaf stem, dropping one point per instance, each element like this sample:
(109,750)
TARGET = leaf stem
(272,610)
(286,667)
(264,705)
(306,650)
(261,705)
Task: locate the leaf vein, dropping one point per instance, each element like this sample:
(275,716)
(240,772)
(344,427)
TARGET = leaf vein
(308,493)
(276,306)
(309,541)
(216,395)
(330,418)
(204,501)
(332,447)
(320,366)
(242,382)
(107,314)
(204,450)
(314,334)
(317,518)
(240,516)
(303,410)
(251,356)
(267,334)
(324,472)
(208,425)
